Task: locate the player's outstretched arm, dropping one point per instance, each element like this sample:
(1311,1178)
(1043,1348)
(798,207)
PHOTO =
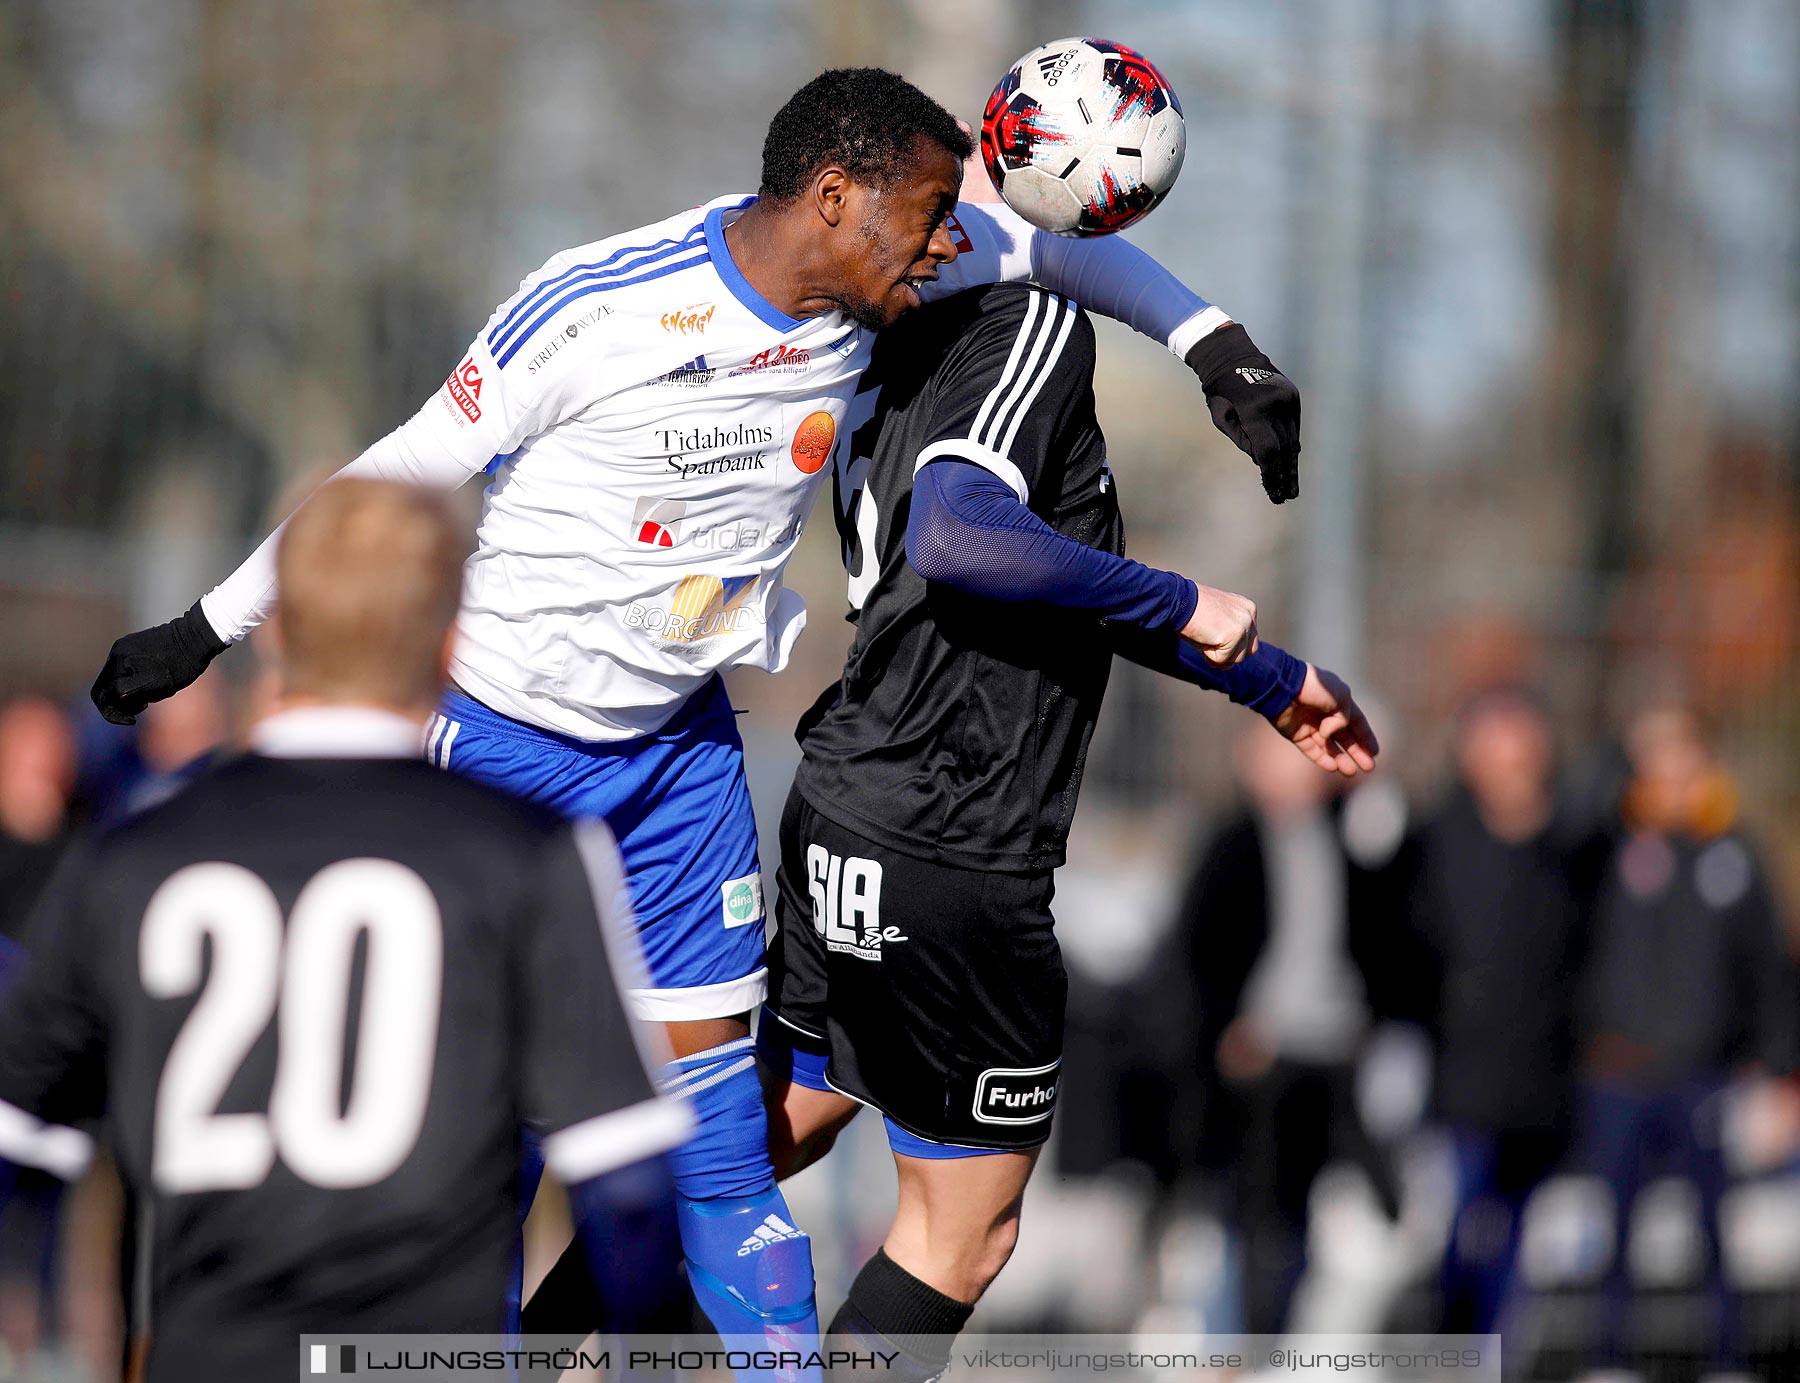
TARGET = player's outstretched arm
(155,663)
(1251,401)
(1327,725)
(1311,705)
(968,528)
(483,410)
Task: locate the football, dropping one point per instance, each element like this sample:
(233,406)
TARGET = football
(1083,136)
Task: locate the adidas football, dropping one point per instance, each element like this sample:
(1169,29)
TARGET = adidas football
(1083,136)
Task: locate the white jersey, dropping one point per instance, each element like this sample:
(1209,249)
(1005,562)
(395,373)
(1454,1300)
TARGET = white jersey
(656,432)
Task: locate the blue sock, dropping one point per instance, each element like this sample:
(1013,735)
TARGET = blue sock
(750,1269)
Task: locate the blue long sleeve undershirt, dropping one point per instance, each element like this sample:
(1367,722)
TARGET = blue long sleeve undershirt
(968,529)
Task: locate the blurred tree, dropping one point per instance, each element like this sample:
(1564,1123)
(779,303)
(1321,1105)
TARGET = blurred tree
(1586,386)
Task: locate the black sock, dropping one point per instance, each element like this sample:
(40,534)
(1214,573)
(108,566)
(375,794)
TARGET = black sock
(888,1305)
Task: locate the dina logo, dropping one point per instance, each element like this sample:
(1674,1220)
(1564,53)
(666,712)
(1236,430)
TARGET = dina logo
(743,900)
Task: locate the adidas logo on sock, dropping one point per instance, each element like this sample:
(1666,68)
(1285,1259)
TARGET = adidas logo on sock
(772,1230)
(1251,375)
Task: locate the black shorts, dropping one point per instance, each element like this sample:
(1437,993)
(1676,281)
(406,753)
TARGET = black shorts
(937,993)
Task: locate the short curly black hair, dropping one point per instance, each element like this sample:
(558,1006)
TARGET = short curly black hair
(863,118)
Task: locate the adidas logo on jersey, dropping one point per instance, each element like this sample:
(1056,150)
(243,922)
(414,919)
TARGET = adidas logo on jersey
(693,375)
(1251,375)
(772,1230)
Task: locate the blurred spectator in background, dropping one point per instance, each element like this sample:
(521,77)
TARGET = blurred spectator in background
(177,741)
(37,781)
(1504,888)
(1290,963)
(1691,983)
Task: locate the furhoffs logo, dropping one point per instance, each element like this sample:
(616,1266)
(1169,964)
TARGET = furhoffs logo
(1007,1095)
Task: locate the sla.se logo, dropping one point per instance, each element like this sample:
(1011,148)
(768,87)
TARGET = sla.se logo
(742,900)
(846,903)
(564,337)
(689,321)
(772,1230)
(464,385)
(1006,1095)
(781,360)
(693,375)
(680,443)
(812,442)
(703,607)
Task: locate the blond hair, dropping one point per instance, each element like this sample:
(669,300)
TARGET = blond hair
(370,574)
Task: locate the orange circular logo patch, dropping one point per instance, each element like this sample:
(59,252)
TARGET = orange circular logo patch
(812,441)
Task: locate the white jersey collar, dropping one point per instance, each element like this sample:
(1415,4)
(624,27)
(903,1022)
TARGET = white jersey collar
(338,732)
(733,278)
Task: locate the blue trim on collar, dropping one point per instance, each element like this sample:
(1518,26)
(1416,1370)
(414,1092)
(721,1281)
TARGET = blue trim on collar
(727,269)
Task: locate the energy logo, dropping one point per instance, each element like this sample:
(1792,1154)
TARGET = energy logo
(690,320)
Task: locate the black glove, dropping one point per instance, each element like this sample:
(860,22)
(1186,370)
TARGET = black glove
(1252,403)
(153,664)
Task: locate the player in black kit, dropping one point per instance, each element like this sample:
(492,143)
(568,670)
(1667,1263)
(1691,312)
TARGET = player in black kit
(916,969)
(315,996)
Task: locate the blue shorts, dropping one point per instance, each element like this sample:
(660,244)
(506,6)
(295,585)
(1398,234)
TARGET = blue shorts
(680,806)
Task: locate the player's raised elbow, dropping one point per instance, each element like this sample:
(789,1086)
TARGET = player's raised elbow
(931,547)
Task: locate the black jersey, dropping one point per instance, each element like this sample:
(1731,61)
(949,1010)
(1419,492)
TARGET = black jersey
(959,728)
(314,1001)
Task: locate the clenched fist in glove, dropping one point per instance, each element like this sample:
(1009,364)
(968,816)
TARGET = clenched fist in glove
(1252,403)
(153,664)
